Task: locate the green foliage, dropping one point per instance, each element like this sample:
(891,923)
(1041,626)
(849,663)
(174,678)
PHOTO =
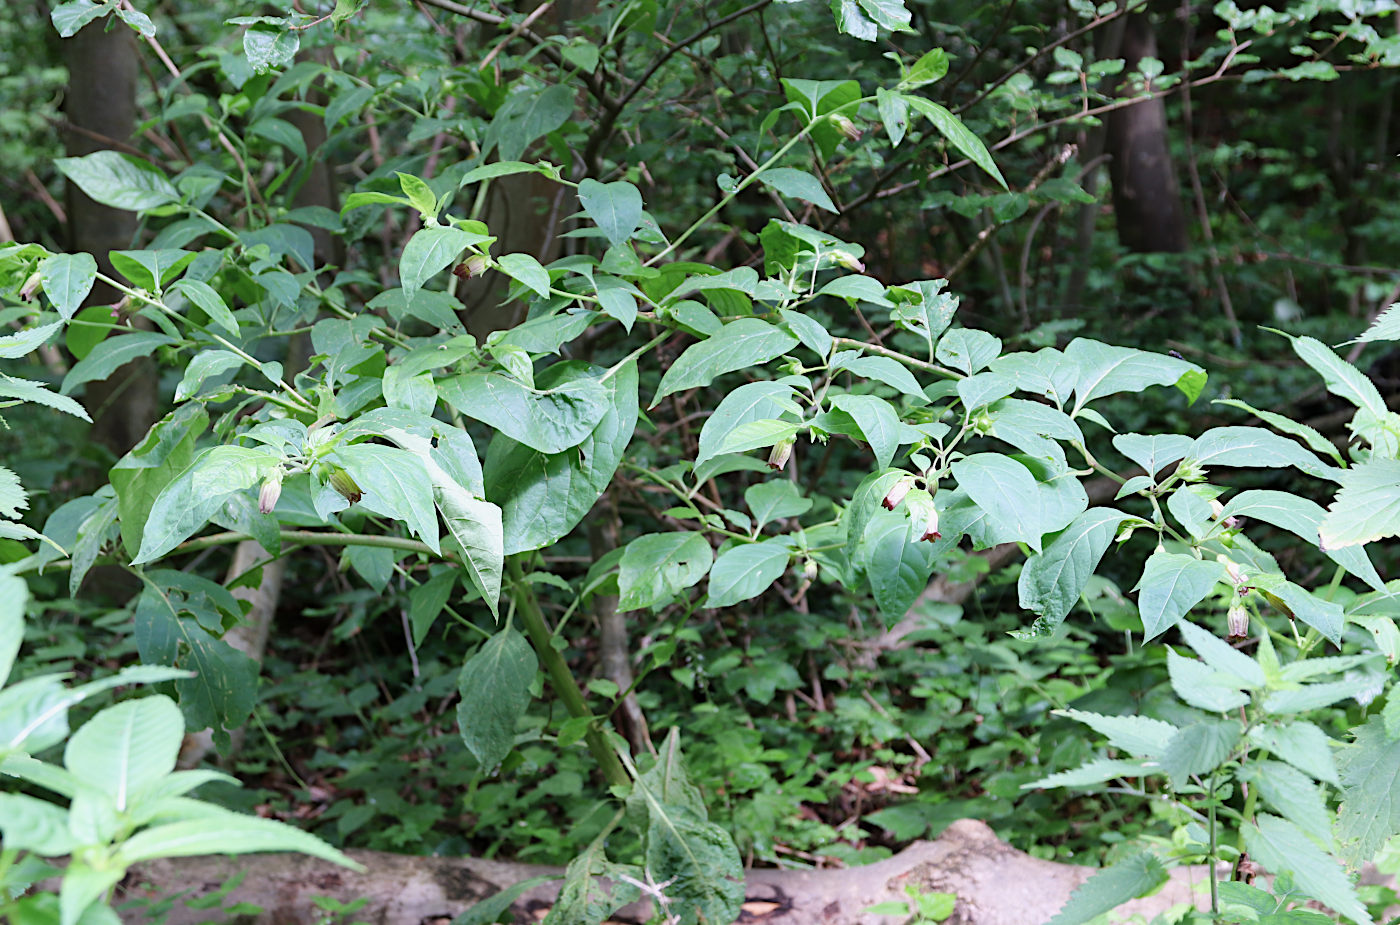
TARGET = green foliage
(316,404)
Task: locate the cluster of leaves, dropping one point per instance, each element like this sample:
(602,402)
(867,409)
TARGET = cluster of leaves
(936,433)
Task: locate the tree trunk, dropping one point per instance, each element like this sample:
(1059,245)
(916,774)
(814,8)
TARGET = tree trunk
(1146,201)
(101,111)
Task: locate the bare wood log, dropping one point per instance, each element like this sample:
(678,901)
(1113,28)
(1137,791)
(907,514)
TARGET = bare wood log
(994,883)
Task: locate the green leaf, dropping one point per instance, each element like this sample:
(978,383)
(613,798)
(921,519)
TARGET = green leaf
(170,629)
(1303,518)
(1096,772)
(204,364)
(1342,379)
(527,271)
(1326,616)
(1153,452)
(126,749)
(394,483)
(1385,327)
(1294,796)
(1232,664)
(851,20)
(741,343)
(209,301)
(618,299)
(877,421)
(118,181)
(68,279)
(1302,745)
(775,500)
(550,420)
(930,68)
(151,269)
(495,688)
(69,17)
(616,208)
(656,567)
(896,561)
(1367,507)
(797,184)
(1140,736)
(13,346)
(967,349)
(1171,584)
(198,493)
(952,128)
(1003,488)
(14,594)
(753,401)
(696,857)
(112,354)
(1199,749)
(30,824)
(281,132)
(744,572)
(498,169)
(894,113)
(1315,441)
(1052,581)
(230,833)
(141,475)
(429,252)
(426,603)
(1100,370)
(888,371)
(544,496)
(1254,447)
(1370,779)
(269,47)
(1280,846)
(528,114)
(476,526)
(1137,875)
(420,195)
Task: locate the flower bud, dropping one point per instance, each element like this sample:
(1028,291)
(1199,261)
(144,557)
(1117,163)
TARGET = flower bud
(31,286)
(1237,618)
(781,452)
(1188,470)
(897,492)
(845,126)
(345,485)
(848,260)
(269,493)
(809,570)
(931,534)
(1216,509)
(475,265)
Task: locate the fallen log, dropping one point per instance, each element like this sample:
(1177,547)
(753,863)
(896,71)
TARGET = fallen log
(994,884)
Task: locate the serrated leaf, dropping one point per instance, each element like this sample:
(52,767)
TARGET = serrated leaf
(1367,507)
(1302,745)
(1140,736)
(1281,846)
(1370,779)
(1199,749)
(1109,888)
(1093,773)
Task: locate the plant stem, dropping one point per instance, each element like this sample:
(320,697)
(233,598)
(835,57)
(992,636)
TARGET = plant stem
(560,678)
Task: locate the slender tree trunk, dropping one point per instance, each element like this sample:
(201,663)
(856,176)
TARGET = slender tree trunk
(1146,199)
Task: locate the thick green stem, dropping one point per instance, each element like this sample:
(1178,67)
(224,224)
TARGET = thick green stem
(560,678)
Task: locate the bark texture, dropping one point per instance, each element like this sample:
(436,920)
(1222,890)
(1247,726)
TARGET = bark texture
(1146,200)
(994,884)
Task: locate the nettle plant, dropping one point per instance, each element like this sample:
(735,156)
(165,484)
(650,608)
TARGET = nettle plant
(377,447)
